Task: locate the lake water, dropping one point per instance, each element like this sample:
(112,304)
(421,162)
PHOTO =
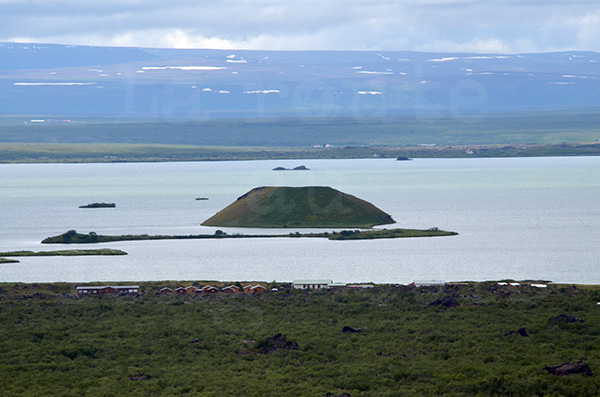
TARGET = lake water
(518,218)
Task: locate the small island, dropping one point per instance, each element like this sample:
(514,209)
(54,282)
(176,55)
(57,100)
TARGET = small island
(299,207)
(99,205)
(283,207)
(299,168)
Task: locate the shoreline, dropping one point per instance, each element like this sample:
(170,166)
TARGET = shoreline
(70,153)
(364,285)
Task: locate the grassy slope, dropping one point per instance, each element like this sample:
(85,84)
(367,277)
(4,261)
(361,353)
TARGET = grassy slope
(409,130)
(502,134)
(54,344)
(299,207)
(557,133)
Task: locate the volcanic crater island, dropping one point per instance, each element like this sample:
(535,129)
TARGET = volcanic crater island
(284,207)
(302,207)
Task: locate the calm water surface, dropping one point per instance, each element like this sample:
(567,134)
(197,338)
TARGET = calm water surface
(521,218)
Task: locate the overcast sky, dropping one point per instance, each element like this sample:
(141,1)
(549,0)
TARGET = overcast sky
(483,26)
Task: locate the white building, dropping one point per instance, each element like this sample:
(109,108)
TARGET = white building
(311,284)
(428,283)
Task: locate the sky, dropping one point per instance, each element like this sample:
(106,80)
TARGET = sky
(479,26)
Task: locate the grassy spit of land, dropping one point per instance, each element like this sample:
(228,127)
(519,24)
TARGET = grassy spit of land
(103,251)
(53,343)
(72,237)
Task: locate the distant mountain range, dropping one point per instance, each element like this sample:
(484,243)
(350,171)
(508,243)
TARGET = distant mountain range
(42,80)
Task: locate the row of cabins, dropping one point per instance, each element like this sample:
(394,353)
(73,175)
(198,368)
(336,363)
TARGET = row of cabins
(234,289)
(211,289)
(325,284)
(108,290)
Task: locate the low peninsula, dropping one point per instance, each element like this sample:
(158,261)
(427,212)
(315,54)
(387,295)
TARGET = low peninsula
(97,252)
(301,207)
(72,237)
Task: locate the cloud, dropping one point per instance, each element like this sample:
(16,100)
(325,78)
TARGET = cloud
(421,25)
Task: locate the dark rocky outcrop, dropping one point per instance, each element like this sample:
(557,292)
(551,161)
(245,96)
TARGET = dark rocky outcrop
(347,329)
(99,205)
(447,301)
(298,168)
(520,331)
(579,368)
(565,318)
(278,341)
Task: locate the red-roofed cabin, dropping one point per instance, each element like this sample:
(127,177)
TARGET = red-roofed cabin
(192,290)
(253,289)
(210,289)
(231,289)
(258,288)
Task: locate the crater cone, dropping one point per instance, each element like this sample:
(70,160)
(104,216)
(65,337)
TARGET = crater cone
(303,207)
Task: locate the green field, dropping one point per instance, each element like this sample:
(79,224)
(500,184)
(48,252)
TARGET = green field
(493,135)
(452,341)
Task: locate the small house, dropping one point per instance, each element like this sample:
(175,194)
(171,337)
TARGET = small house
(210,289)
(311,284)
(192,290)
(253,289)
(231,289)
(181,290)
(258,289)
(165,290)
(88,290)
(127,289)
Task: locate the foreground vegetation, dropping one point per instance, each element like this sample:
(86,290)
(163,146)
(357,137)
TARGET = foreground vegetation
(72,237)
(452,340)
